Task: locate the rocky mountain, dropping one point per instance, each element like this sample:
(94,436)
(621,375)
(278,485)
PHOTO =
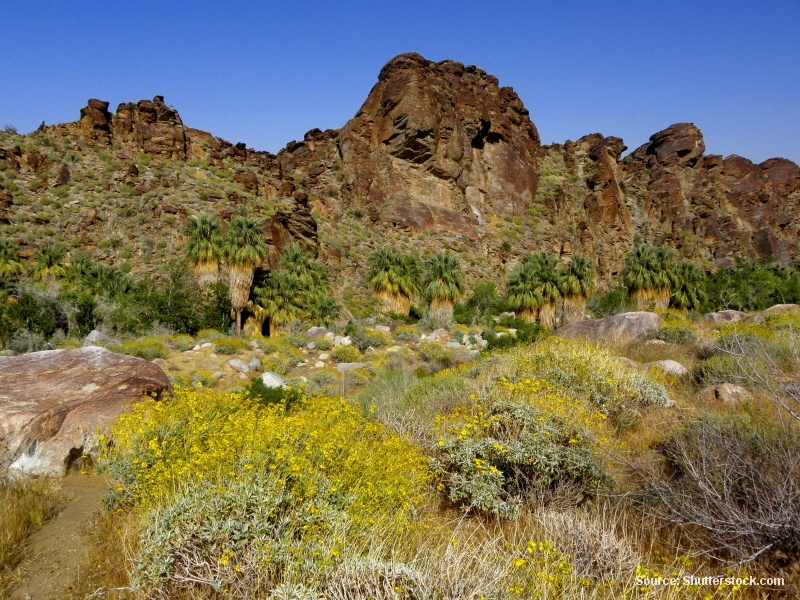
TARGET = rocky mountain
(438,156)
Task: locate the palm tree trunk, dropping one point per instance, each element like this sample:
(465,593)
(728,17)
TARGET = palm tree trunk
(207,272)
(574,309)
(441,313)
(643,299)
(547,315)
(241,278)
(662,297)
(395,303)
(527,314)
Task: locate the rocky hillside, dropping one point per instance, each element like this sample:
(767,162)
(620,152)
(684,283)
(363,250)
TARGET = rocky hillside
(439,156)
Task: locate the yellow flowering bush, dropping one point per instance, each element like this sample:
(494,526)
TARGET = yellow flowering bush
(229,485)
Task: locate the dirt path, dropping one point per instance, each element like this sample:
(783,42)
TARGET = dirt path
(56,551)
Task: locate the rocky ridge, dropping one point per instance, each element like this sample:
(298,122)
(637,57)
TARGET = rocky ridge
(438,156)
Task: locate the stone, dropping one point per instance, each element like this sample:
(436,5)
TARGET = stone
(317,331)
(452,345)
(218,375)
(238,365)
(254,364)
(96,338)
(727,393)
(394,349)
(319,364)
(341,340)
(311,346)
(621,328)
(439,335)
(54,403)
(272,380)
(655,343)
(345,367)
(773,311)
(206,345)
(324,356)
(330,336)
(162,364)
(724,316)
(669,367)
(383,329)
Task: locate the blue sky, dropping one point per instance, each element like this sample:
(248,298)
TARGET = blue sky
(266,72)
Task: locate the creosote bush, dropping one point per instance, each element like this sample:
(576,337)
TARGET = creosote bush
(345,354)
(231,345)
(677,335)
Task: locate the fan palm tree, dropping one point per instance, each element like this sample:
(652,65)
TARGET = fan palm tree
(393,277)
(523,291)
(578,285)
(442,284)
(204,248)
(10,264)
(243,250)
(551,282)
(664,276)
(689,292)
(639,277)
(49,263)
(281,297)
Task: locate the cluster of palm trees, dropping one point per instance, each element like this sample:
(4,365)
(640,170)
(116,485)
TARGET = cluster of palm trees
(298,288)
(655,278)
(396,278)
(538,282)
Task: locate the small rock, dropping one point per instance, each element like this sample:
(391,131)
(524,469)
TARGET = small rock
(669,367)
(512,332)
(161,363)
(727,393)
(394,348)
(324,356)
(217,375)
(239,365)
(311,346)
(383,329)
(241,376)
(344,367)
(254,364)
(452,345)
(271,380)
(329,336)
(206,345)
(195,349)
(212,355)
(319,364)
(254,344)
(440,335)
(655,343)
(340,340)
(317,331)
(303,363)
(96,338)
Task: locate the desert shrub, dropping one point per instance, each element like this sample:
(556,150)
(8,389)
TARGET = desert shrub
(24,341)
(752,285)
(521,439)
(231,345)
(526,333)
(323,343)
(235,494)
(298,340)
(281,361)
(406,333)
(285,396)
(609,303)
(358,376)
(483,301)
(274,344)
(345,354)
(181,341)
(147,348)
(734,481)
(677,335)
(203,378)
(438,356)
(364,337)
(208,335)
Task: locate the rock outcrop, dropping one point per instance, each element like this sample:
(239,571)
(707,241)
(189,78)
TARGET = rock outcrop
(54,403)
(624,327)
(439,146)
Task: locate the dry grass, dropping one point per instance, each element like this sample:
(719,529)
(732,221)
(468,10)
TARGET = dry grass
(23,507)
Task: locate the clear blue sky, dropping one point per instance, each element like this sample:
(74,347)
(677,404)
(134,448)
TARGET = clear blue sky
(266,72)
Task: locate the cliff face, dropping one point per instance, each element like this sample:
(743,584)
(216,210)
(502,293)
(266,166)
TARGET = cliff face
(439,156)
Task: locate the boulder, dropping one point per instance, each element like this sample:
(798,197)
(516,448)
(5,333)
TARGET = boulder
(773,311)
(342,340)
(53,404)
(439,335)
(96,338)
(317,331)
(724,316)
(254,364)
(272,380)
(727,393)
(624,327)
(669,367)
(239,365)
(345,367)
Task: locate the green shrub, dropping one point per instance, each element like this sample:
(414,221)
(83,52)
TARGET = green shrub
(677,335)
(231,345)
(363,338)
(146,348)
(323,343)
(208,335)
(345,354)
(181,342)
(299,340)
(287,397)
(406,333)
(282,360)
(609,303)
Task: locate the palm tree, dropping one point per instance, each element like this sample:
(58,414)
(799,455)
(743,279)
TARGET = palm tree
(689,292)
(442,284)
(551,282)
(204,248)
(243,250)
(393,277)
(664,276)
(638,276)
(49,263)
(10,263)
(578,285)
(523,291)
